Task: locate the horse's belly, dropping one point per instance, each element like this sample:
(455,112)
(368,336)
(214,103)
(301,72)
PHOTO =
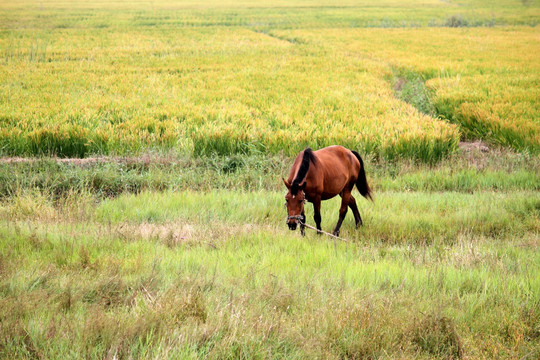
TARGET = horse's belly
(326,196)
(334,185)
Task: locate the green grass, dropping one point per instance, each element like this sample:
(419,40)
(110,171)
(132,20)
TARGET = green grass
(466,171)
(217,275)
(395,217)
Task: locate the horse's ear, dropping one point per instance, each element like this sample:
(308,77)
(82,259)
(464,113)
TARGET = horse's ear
(286,183)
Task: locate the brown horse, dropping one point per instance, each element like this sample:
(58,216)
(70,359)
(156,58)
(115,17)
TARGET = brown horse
(321,175)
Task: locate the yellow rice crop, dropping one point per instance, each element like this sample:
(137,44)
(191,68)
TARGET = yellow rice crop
(218,89)
(487,80)
(72,83)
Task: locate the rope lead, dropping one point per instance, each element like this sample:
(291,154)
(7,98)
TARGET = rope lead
(299,219)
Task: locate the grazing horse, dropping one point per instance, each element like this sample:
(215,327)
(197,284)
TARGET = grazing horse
(321,175)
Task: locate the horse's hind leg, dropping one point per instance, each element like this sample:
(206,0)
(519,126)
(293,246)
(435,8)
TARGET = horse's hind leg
(354,208)
(345,197)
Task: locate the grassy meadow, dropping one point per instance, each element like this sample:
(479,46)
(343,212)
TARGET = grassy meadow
(173,275)
(142,145)
(190,258)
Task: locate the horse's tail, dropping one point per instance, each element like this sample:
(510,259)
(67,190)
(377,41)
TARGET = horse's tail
(361,182)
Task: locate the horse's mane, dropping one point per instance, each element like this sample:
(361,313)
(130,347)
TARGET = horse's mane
(308,157)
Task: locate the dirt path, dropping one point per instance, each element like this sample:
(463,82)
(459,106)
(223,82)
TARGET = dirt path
(142,159)
(476,149)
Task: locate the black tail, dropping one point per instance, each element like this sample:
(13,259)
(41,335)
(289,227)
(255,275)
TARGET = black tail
(361,182)
(302,171)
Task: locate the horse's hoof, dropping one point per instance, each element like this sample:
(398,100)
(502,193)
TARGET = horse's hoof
(319,232)
(335,233)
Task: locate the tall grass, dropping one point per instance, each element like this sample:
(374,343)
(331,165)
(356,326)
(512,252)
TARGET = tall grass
(183,88)
(467,171)
(217,275)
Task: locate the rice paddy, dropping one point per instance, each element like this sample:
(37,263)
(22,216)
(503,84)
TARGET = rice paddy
(229,87)
(485,80)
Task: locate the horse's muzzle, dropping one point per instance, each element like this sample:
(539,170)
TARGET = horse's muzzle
(292,221)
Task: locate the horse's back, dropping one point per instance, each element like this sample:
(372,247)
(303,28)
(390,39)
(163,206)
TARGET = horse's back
(338,158)
(339,167)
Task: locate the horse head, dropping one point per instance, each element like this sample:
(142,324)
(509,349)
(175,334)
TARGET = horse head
(294,201)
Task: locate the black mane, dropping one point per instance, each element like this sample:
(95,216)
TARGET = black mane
(302,171)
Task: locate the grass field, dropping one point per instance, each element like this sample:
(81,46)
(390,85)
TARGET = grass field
(445,275)
(217,90)
(165,236)
(97,262)
(465,172)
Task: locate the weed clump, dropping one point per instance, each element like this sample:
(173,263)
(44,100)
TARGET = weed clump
(436,335)
(456,21)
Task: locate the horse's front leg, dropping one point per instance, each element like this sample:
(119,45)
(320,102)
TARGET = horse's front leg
(345,197)
(302,226)
(317,213)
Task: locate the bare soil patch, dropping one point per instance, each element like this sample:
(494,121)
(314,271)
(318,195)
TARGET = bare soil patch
(468,146)
(145,159)
(178,233)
